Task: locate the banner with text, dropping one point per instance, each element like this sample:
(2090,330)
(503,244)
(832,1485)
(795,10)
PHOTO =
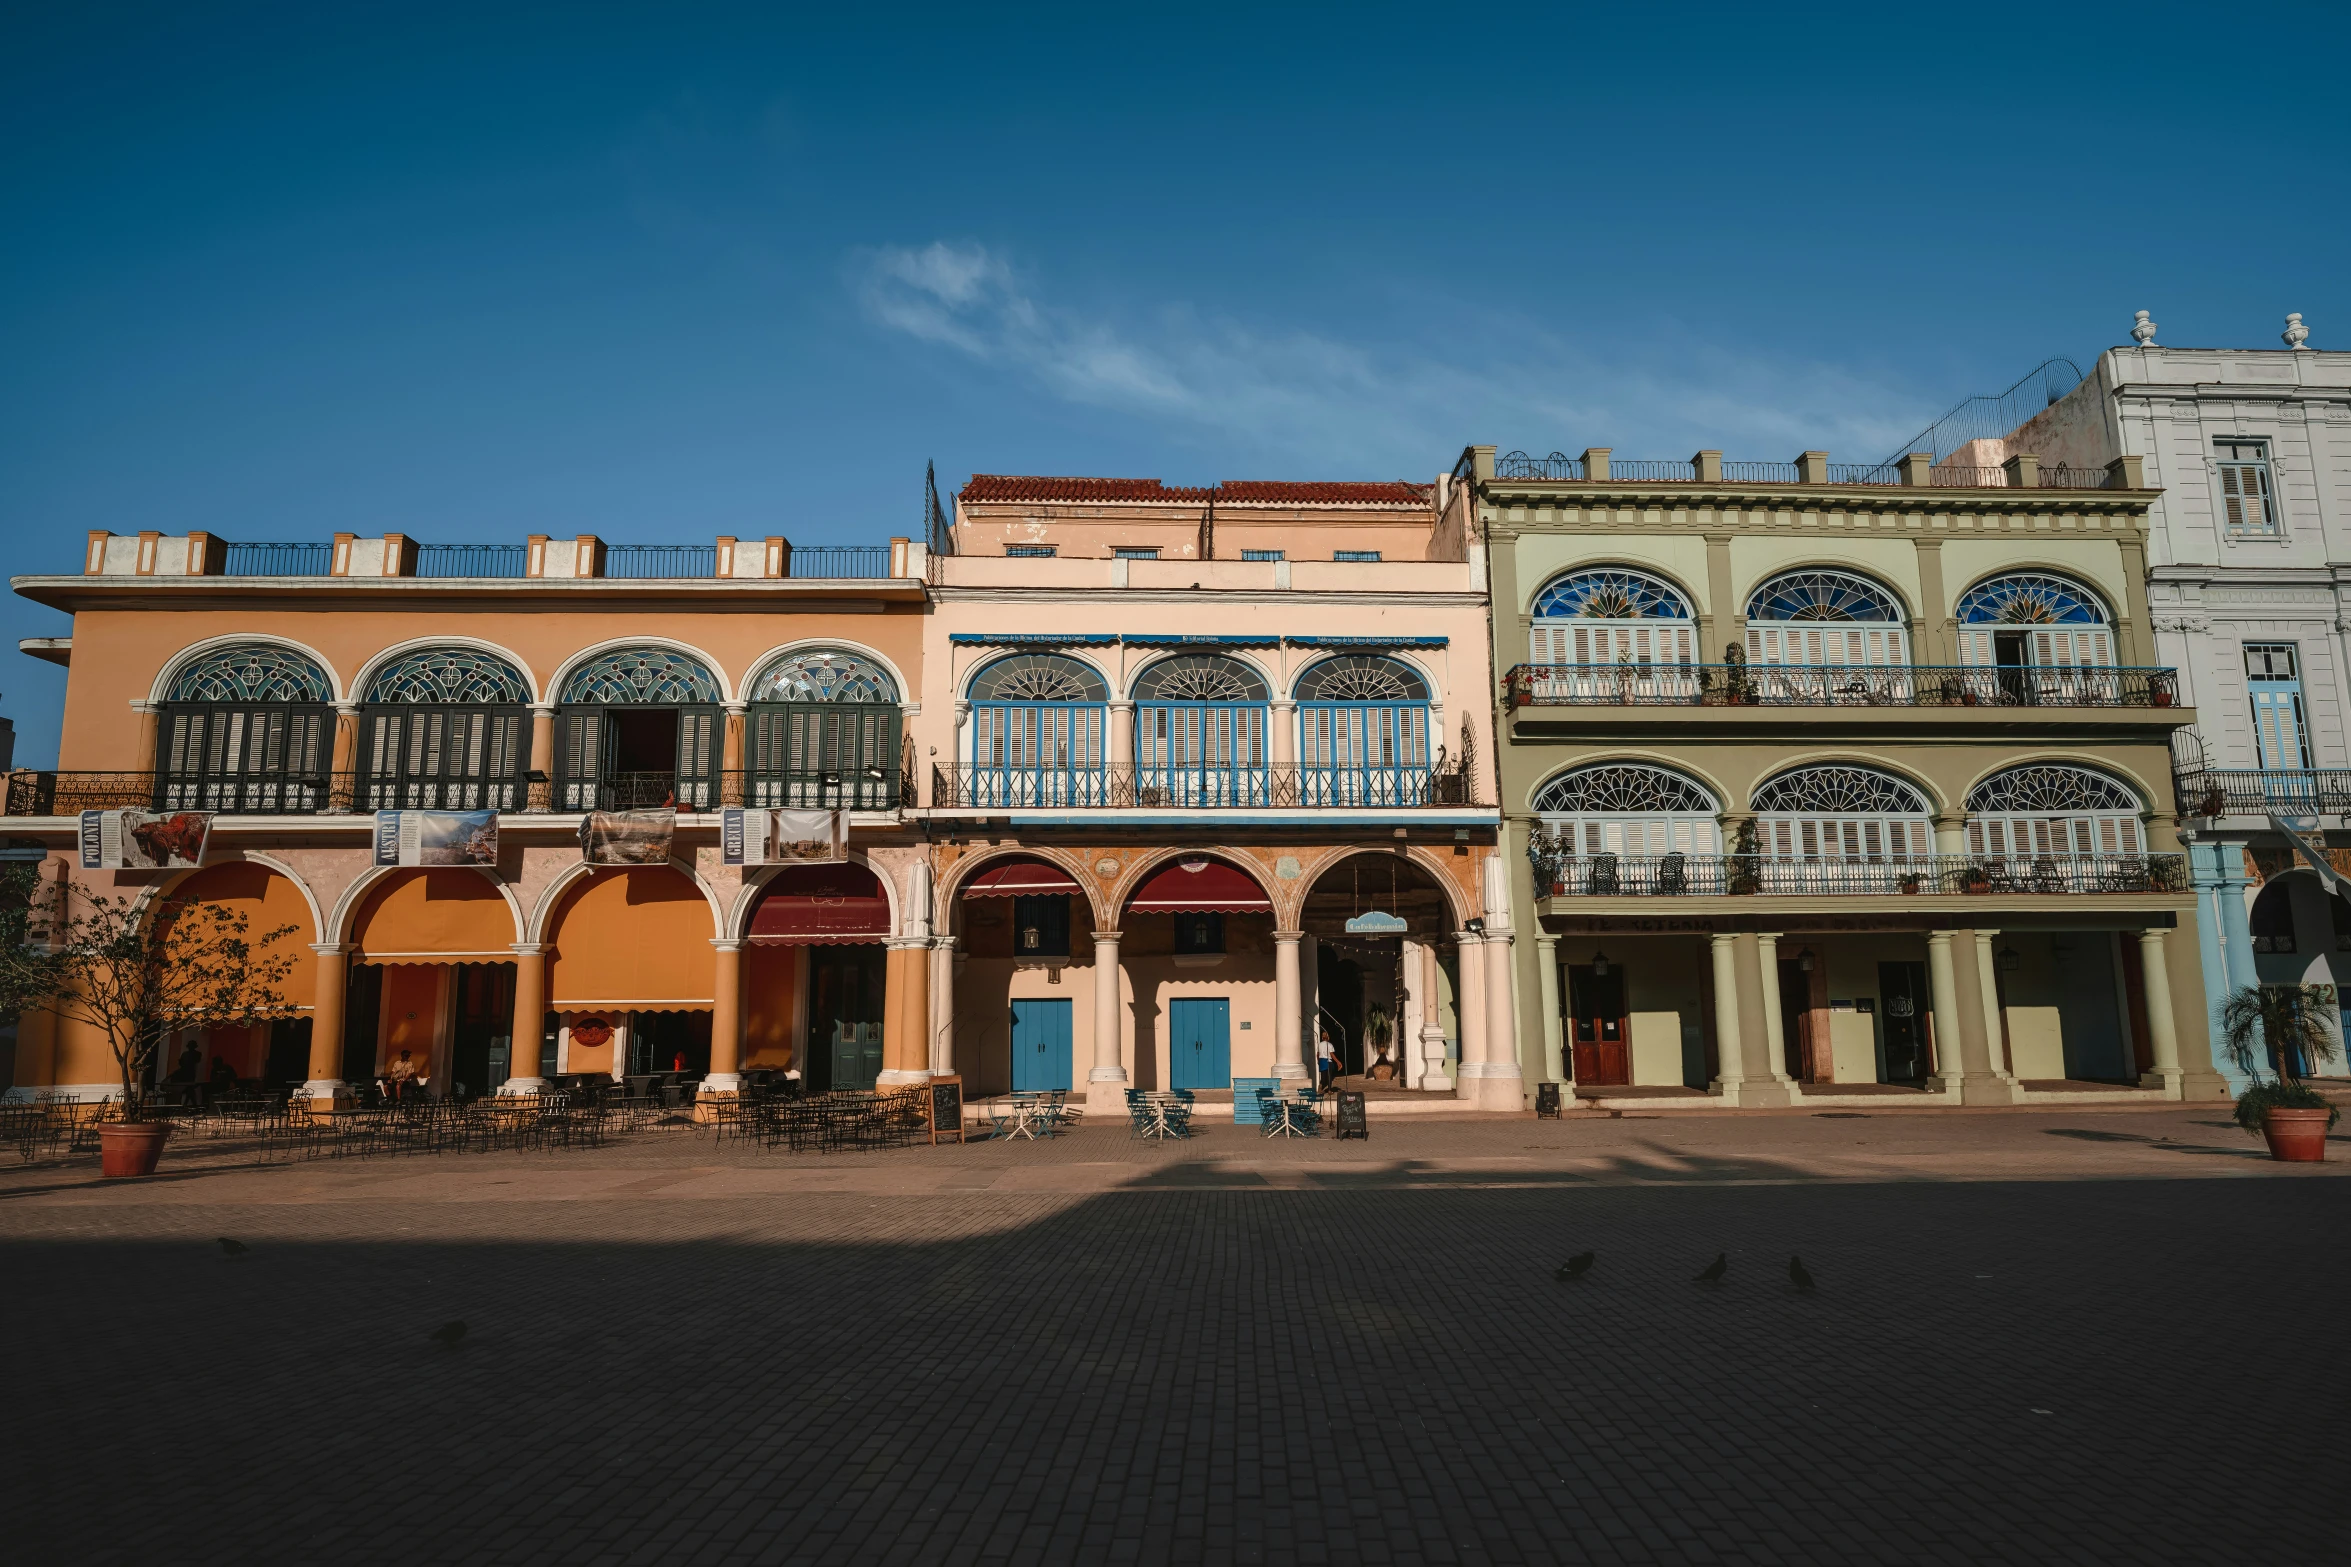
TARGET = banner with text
(144,840)
(770,837)
(436,838)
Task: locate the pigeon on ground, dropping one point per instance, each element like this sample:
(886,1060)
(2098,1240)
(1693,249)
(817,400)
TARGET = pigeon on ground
(1715,1269)
(233,1248)
(1575,1266)
(448,1333)
(1796,1274)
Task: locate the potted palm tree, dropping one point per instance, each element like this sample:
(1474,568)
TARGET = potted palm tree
(2275,1026)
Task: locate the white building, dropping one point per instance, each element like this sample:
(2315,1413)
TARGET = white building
(2249,590)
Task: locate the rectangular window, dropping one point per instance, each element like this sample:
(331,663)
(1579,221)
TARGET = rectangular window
(1355,554)
(2273,682)
(1040,927)
(1261,555)
(1134,552)
(2246,498)
(1030,551)
(1199,933)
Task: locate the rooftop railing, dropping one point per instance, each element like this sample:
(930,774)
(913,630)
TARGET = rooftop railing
(1837,685)
(277,560)
(1518,465)
(1759,473)
(645,561)
(841,560)
(2017,473)
(470,560)
(1560,873)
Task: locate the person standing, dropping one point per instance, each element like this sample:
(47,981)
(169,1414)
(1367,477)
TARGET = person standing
(1326,1057)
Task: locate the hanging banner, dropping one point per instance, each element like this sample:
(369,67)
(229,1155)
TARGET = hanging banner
(772,837)
(144,840)
(627,837)
(436,838)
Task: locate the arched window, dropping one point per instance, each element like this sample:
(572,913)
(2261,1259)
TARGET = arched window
(2047,810)
(1363,724)
(1630,808)
(640,730)
(1200,732)
(1821,617)
(2272,916)
(245,728)
(1611,615)
(1038,727)
(1836,812)
(444,728)
(2041,638)
(824,730)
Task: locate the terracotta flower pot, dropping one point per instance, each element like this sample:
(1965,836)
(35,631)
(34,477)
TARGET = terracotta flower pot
(131,1149)
(2296,1136)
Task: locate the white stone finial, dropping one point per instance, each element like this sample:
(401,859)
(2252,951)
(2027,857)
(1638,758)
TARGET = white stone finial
(2143,331)
(2296,334)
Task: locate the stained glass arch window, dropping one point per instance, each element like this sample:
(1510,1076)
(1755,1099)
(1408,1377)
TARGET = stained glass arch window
(2053,809)
(2051,788)
(1842,790)
(1200,677)
(825,674)
(2031,598)
(641,677)
(1362,677)
(1612,593)
(1613,788)
(1836,811)
(1824,595)
(1039,677)
(249,672)
(444,676)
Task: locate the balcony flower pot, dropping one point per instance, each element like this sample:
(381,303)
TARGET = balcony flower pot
(2297,1136)
(2159,696)
(1910,884)
(131,1148)
(1975,880)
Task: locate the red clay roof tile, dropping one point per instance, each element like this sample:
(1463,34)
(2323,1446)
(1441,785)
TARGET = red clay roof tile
(1009,487)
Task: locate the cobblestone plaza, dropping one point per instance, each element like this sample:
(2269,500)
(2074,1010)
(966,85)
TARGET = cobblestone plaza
(2035,1335)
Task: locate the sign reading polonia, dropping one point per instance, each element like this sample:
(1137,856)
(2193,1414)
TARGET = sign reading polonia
(769,837)
(144,840)
(436,838)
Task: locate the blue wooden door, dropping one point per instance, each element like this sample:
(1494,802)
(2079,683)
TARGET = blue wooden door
(1200,1045)
(1040,1046)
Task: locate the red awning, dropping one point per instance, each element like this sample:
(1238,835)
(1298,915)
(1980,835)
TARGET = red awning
(1020,879)
(809,905)
(1200,887)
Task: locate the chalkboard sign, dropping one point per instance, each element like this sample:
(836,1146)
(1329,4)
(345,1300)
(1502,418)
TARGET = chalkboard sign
(946,1104)
(1351,1118)
(1547,1100)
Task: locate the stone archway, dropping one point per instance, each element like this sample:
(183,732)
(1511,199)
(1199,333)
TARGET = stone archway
(1381,973)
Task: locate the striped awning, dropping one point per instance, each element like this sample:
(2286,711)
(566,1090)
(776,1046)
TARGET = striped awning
(1021,879)
(817,905)
(1366,641)
(1200,887)
(1033,638)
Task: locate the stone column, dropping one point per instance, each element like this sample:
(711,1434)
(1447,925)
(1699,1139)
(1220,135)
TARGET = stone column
(1730,1074)
(530,1011)
(726,1020)
(343,768)
(1556,1068)
(1107,1082)
(2163,1038)
(1289,1055)
(731,763)
(1433,1077)
(1987,981)
(1469,1001)
(1282,744)
(1950,1047)
(1122,758)
(1503,1085)
(906,1011)
(943,1007)
(1775,1027)
(542,793)
(328,992)
(1309,996)
(2233,922)
(1951,835)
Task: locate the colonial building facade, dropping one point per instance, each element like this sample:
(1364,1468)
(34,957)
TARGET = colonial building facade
(1824,783)
(2249,588)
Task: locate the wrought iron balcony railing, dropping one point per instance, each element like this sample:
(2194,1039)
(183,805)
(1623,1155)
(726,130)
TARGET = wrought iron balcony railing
(1837,685)
(342,794)
(2306,791)
(1032,788)
(1559,873)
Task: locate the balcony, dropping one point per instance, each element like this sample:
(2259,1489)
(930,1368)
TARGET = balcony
(1160,788)
(1563,875)
(1837,685)
(2324,791)
(56,794)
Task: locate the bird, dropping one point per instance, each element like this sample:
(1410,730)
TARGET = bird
(1715,1269)
(1576,1266)
(448,1333)
(1796,1274)
(233,1248)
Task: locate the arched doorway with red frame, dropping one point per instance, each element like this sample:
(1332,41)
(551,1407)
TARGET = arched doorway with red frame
(815,976)
(1197,949)
(1021,991)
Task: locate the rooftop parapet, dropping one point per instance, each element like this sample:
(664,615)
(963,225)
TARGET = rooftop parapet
(541,557)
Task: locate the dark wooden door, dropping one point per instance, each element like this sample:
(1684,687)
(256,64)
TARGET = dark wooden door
(1597,1016)
(1902,1014)
(1796,1020)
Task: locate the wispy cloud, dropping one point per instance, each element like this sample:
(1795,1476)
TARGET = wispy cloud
(1314,402)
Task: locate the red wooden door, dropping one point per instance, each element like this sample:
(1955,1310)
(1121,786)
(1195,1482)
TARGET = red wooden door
(1597,1016)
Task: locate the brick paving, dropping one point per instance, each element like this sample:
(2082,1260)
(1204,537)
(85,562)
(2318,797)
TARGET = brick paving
(2036,1337)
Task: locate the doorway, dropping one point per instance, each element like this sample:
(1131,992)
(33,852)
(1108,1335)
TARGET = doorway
(1903,1005)
(1596,1003)
(481,1026)
(1200,1046)
(844,1016)
(1796,1020)
(658,1039)
(289,1052)
(2012,652)
(363,1021)
(1040,1046)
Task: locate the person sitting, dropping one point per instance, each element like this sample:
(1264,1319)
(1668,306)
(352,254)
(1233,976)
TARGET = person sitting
(401,1075)
(224,1076)
(190,1059)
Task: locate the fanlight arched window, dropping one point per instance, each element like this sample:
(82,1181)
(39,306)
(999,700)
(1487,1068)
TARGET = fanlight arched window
(1836,812)
(2047,810)
(1039,722)
(1363,725)
(445,728)
(640,731)
(1822,617)
(1614,615)
(1630,808)
(824,730)
(245,728)
(2039,637)
(1200,732)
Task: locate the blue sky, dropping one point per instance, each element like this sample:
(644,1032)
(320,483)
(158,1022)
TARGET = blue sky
(471,273)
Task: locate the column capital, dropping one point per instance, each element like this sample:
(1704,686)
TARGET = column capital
(729,943)
(330,949)
(544,709)
(142,706)
(528,949)
(734,708)
(1287,936)
(1107,938)
(1468,938)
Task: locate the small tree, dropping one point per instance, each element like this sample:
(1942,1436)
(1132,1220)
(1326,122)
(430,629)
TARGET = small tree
(137,973)
(27,977)
(2277,1022)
